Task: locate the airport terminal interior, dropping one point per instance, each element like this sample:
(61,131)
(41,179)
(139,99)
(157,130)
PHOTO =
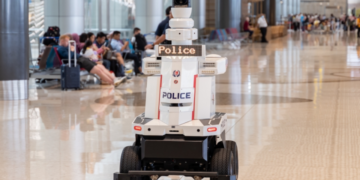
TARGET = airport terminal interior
(290,95)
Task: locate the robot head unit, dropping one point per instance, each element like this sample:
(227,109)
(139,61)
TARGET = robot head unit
(181,3)
(182,31)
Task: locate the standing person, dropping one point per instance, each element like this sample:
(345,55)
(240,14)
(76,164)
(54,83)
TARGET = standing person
(263,28)
(358,26)
(323,18)
(161,27)
(290,21)
(247,27)
(302,19)
(346,24)
(297,22)
(351,23)
(162,38)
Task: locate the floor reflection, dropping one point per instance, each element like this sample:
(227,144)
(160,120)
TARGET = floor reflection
(291,106)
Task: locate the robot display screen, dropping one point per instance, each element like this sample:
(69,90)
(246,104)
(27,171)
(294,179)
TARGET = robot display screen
(180,50)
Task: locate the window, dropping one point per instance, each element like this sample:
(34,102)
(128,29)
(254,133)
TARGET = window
(110,15)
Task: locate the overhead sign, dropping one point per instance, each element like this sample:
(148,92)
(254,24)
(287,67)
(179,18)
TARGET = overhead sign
(180,50)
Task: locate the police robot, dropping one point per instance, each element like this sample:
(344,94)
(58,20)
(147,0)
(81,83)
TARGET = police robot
(180,134)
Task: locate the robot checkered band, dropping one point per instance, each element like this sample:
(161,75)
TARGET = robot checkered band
(180,133)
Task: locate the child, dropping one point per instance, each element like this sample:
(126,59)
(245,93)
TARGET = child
(88,52)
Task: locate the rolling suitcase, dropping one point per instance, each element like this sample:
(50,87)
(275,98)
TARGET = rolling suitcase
(70,73)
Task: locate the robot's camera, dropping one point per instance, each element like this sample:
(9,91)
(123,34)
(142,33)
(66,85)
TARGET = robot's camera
(182,3)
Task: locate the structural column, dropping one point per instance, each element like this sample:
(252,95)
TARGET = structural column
(228,14)
(14,49)
(270,11)
(199,13)
(148,14)
(67,14)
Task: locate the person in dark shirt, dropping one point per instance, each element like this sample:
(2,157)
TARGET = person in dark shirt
(139,41)
(247,27)
(101,48)
(162,38)
(161,27)
(83,62)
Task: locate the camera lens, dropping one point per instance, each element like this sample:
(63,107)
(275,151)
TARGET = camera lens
(182,3)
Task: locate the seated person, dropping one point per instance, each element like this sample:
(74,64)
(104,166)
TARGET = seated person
(82,40)
(85,63)
(248,28)
(48,41)
(100,48)
(91,36)
(117,45)
(88,52)
(139,41)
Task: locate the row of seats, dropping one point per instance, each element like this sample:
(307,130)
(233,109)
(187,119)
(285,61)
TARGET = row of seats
(228,34)
(50,59)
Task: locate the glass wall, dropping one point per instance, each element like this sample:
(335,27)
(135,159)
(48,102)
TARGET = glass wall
(284,8)
(110,15)
(91,15)
(36,19)
(122,15)
(36,28)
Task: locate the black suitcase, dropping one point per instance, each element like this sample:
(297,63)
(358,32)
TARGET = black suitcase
(70,73)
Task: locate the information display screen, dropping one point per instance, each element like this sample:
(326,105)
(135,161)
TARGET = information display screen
(180,50)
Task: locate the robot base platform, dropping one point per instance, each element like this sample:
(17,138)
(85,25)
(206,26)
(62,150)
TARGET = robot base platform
(145,174)
(151,157)
(195,128)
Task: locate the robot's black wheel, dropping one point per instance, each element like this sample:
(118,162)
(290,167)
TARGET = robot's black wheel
(233,147)
(223,162)
(130,160)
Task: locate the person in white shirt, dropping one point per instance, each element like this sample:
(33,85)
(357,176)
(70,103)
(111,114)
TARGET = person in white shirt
(88,52)
(263,27)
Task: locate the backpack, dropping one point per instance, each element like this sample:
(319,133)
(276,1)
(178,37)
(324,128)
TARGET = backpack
(140,42)
(53,31)
(49,40)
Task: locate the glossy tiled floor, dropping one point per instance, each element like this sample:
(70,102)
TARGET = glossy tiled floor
(293,106)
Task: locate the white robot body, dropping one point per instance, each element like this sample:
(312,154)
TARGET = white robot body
(180,134)
(181,97)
